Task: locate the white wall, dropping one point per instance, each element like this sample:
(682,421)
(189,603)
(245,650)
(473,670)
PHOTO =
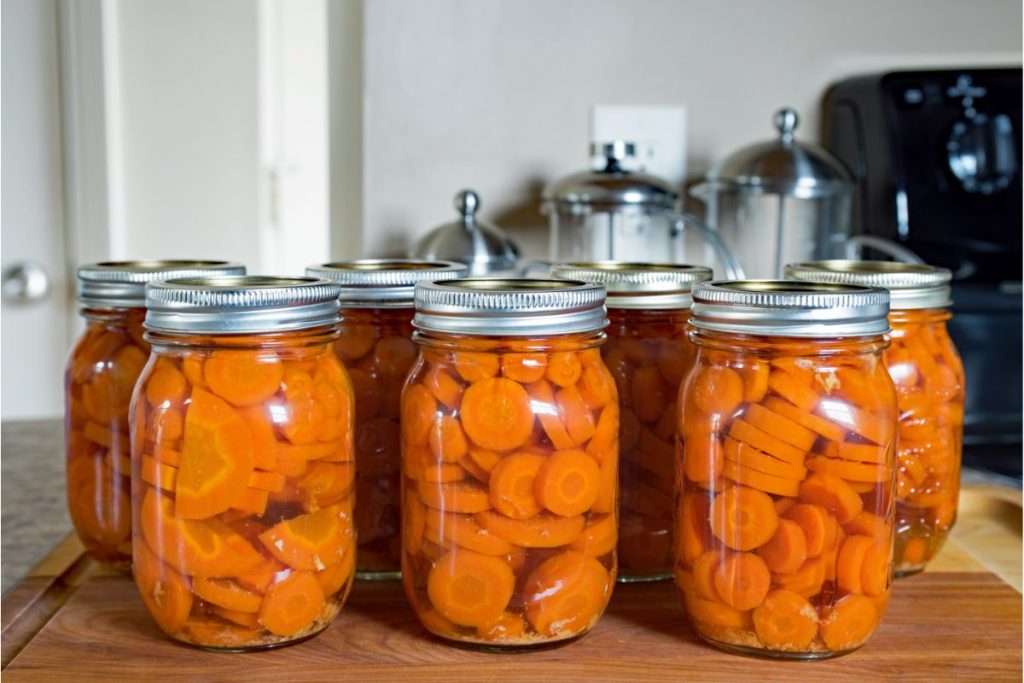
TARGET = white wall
(495,94)
(189,129)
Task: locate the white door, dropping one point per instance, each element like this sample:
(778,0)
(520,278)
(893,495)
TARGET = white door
(36,284)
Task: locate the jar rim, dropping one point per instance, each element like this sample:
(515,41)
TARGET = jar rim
(637,285)
(384,283)
(910,285)
(122,284)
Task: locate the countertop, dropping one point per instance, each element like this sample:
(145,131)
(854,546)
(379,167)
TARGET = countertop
(35,518)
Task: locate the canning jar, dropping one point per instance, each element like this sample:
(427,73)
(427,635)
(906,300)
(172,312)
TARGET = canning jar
(376,348)
(98,382)
(243,534)
(510,426)
(784,510)
(648,354)
(929,378)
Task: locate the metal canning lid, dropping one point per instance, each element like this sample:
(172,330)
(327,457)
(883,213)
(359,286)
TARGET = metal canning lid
(638,285)
(910,285)
(785,308)
(509,307)
(122,284)
(384,283)
(243,304)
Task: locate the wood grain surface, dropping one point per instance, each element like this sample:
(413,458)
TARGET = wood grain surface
(70,620)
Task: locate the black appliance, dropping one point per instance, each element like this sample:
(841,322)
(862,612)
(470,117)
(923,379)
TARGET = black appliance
(936,157)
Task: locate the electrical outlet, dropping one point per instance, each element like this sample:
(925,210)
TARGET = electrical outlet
(659,133)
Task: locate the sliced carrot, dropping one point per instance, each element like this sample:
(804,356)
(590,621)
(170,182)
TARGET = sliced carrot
(704,569)
(192,368)
(208,548)
(470,589)
(568,482)
(167,456)
(228,594)
(604,444)
(576,415)
(743,431)
(692,528)
(769,483)
(598,537)
(607,499)
(743,518)
(441,473)
(542,531)
(856,451)
(702,457)
(657,456)
(755,381)
(459,496)
(266,481)
(474,366)
(259,578)
(508,626)
(168,425)
(394,355)
(335,451)
(158,474)
(336,576)
(596,386)
(496,414)
(783,504)
(264,439)
(649,393)
(443,386)
(873,427)
(249,620)
(876,569)
(105,436)
(742,580)
(818,525)
(485,459)
(356,340)
(785,621)
(780,427)
(312,541)
(511,485)
(524,367)
(216,458)
(166,593)
(816,424)
(793,390)
(806,581)
(474,470)
(711,612)
(665,428)
(744,454)
(787,549)
(868,524)
(844,469)
(447,441)
(293,605)
(243,378)
(462,530)
(848,623)
(564,368)
(832,493)
(414,521)
(566,593)
(849,564)
(419,409)
(252,501)
(629,432)
(717,390)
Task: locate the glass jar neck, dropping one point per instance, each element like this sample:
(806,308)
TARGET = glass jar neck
(313,337)
(787,346)
(113,316)
(541,344)
(908,317)
(372,315)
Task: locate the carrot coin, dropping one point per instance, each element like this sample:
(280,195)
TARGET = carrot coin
(293,605)
(419,409)
(742,580)
(243,378)
(711,612)
(743,518)
(576,415)
(787,549)
(443,386)
(717,390)
(474,366)
(564,368)
(566,593)
(702,457)
(512,485)
(524,367)
(462,530)
(227,594)
(312,541)
(833,494)
(848,623)
(470,589)
(166,592)
(568,483)
(785,621)
(818,525)
(460,496)
(542,531)
(496,414)
(598,537)
(447,441)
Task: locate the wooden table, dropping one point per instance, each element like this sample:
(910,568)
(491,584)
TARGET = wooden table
(73,620)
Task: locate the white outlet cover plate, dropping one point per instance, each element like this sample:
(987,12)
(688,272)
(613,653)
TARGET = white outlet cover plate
(658,131)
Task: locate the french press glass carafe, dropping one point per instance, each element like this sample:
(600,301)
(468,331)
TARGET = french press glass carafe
(613,214)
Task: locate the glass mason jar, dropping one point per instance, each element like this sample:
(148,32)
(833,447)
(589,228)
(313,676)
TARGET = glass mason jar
(648,354)
(510,426)
(786,469)
(243,535)
(376,348)
(929,377)
(101,372)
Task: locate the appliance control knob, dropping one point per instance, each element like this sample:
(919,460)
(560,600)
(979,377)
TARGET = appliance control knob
(982,154)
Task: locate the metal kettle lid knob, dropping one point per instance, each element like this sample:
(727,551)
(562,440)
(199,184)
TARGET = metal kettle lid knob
(467,203)
(786,120)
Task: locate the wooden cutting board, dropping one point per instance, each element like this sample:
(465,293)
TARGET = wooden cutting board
(73,620)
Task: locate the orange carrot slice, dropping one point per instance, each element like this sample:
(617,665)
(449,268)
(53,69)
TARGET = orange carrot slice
(717,390)
(266,481)
(293,605)
(780,427)
(693,530)
(336,576)
(844,469)
(443,386)
(460,496)
(470,589)
(607,499)
(742,580)
(542,531)
(216,458)
(524,367)
(568,482)
(511,485)
(264,439)
(873,427)
(744,454)
(876,569)
(474,366)
(576,415)
(598,537)
(249,620)
(227,594)
(508,626)
(755,381)
(564,368)
(168,425)
(768,483)
(252,501)
(165,386)
(166,593)
(566,593)
(818,525)
(859,452)
(496,414)
(462,530)
(259,578)
(715,613)
(596,386)
(743,431)
(158,474)
(793,390)
(604,444)
(244,378)
(850,563)
(649,393)
(485,459)
(167,456)
(704,570)
(818,425)
(702,457)
(419,409)
(312,541)
(833,494)
(787,549)
(785,621)
(743,518)
(848,623)
(806,581)
(447,441)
